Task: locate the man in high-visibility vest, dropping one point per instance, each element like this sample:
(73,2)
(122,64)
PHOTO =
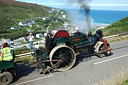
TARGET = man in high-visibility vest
(0,57)
(6,54)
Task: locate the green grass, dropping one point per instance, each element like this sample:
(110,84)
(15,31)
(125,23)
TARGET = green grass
(117,27)
(22,43)
(35,40)
(29,59)
(124,82)
(12,14)
(21,50)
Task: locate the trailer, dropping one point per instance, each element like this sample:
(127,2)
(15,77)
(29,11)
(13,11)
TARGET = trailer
(7,72)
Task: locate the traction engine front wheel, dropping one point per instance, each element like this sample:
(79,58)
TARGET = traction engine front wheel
(65,54)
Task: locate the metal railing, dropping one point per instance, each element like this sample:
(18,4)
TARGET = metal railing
(24,55)
(116,35)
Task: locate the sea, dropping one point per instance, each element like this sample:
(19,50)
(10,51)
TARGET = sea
(99,16)
(107,16)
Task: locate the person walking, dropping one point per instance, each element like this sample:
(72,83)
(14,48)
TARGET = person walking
(31,38)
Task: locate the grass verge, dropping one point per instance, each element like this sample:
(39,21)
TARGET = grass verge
(29,59)
(124,82)
(120,78)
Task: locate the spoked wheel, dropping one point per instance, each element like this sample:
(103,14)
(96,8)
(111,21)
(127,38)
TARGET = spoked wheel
(6,78)
(66,55)
(104,53)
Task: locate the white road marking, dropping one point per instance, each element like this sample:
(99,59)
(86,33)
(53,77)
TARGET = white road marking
(110,59)
(34,80)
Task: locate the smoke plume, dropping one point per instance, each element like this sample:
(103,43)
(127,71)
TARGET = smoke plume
(81,15)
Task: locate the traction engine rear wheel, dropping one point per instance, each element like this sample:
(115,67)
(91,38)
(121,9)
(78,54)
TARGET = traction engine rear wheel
(64,53)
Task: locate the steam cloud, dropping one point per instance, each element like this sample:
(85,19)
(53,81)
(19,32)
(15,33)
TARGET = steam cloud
(81,6)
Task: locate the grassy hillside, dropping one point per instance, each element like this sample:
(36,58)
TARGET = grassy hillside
(12,12)
(120,26)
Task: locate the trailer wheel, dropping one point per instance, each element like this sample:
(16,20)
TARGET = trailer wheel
(63,52)
(6,78)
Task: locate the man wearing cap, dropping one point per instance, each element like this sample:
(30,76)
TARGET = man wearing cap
(48,42)
(31,38)
(6,53)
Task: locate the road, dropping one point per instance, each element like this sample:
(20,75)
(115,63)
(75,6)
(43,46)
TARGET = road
(87,71)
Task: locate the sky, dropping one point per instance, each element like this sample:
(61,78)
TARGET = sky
(94,4)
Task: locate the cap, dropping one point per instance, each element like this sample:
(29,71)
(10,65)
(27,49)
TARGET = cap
(5,45)
(37,43)
(30,33)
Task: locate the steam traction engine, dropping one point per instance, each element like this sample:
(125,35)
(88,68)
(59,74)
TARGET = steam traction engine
(60,54)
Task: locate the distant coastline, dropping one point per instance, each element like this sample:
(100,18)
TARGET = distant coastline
(101,17)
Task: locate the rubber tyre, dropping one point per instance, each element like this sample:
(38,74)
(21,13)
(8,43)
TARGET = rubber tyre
(6,78)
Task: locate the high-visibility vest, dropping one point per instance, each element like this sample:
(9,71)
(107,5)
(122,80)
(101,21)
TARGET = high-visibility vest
(1,57)
(7,54)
